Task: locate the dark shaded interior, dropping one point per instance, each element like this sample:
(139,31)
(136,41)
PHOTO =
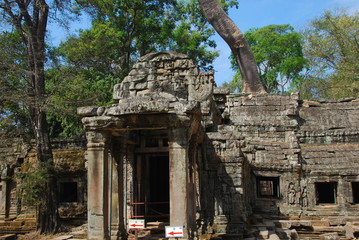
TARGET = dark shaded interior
(268,187)
(326,192)
(68,192)
(355,190)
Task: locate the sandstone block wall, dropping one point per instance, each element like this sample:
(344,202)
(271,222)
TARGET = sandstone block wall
(296,145)
(20,157)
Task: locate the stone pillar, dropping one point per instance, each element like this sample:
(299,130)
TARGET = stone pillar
(178,164)
(1,199)
(116,209)
(118,221)
(97,177)
(5,194)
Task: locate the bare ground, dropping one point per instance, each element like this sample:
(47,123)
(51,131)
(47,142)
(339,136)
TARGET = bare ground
(38,236)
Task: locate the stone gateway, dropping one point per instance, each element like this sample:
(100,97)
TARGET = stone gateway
(175,149)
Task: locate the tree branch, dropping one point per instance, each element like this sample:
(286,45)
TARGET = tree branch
(233,36)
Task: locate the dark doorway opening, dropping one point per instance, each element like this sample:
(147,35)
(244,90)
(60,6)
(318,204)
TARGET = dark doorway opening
(268,187)
(151,199)
(326,192)
(68,192)
(355,191)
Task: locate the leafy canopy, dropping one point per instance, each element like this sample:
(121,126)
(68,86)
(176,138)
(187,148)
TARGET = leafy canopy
(332,47)
(279,55)
(122,31)
(278,52)
(13,111)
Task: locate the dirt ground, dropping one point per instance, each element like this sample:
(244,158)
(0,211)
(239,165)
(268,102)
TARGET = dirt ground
(65,230)
(38,236)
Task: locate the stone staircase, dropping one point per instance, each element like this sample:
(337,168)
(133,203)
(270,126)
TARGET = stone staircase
(266,207)
(277,228)
(77,233)
(24,223)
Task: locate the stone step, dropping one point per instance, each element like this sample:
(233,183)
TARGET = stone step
(292,223)
(65,237)
(8,237)
(328,229)
(80,234)
(287,233)
(320,223)
(16,229)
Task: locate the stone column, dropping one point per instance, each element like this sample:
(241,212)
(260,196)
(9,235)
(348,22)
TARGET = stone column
(118,221)
(97,177)
(178,164)
(5,194)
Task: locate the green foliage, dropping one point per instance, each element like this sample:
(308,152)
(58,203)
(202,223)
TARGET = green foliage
(277,50)
(97,49)
(331,45)
(235,85)
(13,113)
(122,31)
(70,89)
(32,185)
(84,69)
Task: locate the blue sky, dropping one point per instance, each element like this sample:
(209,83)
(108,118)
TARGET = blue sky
(254,14)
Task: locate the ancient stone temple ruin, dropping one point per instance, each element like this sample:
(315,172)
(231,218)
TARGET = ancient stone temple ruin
(175,149)
(18,157)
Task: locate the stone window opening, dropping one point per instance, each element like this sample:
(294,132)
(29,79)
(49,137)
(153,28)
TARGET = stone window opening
(326,192)
(68,192)
(355,192)
(268,187)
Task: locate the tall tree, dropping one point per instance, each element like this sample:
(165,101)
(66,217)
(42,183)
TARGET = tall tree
(278,53)
(332,47)
(30,18)
(121,32)
(13,116)
(235,39)
(124,30)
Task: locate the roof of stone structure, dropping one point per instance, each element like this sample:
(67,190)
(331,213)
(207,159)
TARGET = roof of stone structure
(167,72)
(166,82)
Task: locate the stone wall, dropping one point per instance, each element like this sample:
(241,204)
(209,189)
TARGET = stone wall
(329,141)
(265,130)
(328,122)
(19,157)
(299,146)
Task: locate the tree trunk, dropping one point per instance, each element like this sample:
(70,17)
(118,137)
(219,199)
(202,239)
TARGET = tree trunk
(30,19)
(233,36)
(48,210)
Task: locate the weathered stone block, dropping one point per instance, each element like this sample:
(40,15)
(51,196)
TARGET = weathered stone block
(263,234)
(329,236)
